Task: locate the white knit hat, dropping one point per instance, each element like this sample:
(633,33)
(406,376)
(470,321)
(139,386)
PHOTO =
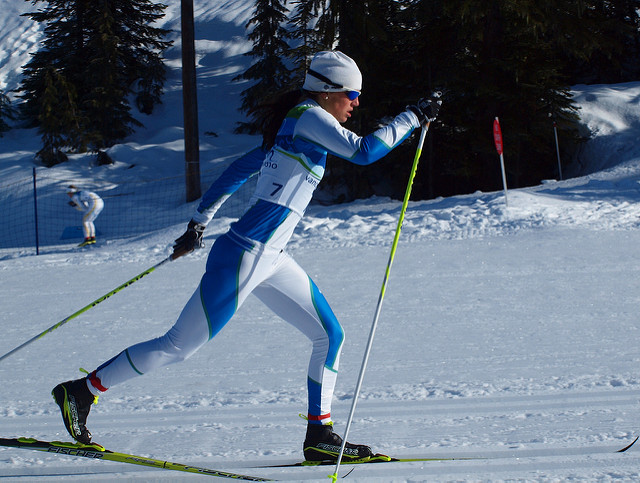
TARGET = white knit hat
(332,71)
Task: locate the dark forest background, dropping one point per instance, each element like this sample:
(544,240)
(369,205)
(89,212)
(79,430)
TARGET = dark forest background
(515,60)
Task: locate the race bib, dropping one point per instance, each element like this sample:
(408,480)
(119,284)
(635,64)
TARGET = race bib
(288,180)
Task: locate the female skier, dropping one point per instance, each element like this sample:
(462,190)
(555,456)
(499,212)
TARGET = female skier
(250,257)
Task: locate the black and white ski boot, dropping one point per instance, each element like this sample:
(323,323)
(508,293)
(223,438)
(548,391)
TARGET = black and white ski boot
(75,400)
(322,444)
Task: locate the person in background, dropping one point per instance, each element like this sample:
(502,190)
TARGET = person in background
(90,204)
(304,127)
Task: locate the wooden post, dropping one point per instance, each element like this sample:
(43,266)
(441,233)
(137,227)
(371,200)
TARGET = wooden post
(190,103)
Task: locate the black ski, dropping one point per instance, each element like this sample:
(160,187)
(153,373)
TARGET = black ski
(377,458)
(95,451)
(381,458)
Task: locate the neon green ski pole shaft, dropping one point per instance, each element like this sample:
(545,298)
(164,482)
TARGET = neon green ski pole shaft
(405,203)
(394,246)
(87,307)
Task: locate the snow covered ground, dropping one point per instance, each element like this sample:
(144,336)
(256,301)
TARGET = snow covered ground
(506,334)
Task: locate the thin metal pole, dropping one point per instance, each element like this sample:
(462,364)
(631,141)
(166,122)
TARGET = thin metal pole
(504,180)
(555,133)
(35,211)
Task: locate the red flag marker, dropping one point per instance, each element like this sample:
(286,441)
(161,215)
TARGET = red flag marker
(497,135)
(497,138)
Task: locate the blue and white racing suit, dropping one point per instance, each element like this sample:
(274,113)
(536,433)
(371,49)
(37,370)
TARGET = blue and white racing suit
(250,257)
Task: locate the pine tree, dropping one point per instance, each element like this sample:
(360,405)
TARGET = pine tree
(269,71)
(366,31)
(58,118)
(105,104)
(613,43)
(426,41)
(106,51)
(499,59)
(7,112)
(513,60)
(304,35)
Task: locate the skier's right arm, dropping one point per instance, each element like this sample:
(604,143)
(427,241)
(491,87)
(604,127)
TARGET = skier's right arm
(321,128)
(76,203)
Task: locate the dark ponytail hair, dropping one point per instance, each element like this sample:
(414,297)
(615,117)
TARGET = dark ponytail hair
(269,115)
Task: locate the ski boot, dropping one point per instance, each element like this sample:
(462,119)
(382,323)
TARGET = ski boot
(87,241)
(322,444)
(75,400)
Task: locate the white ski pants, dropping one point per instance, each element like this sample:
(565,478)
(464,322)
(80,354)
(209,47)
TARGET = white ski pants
(90,216)
(236,268)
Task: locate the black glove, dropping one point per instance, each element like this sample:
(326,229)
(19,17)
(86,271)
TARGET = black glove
(191,240)
(427,108)
(72,203)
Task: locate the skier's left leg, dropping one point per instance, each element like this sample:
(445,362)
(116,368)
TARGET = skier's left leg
(88,229)
(292,295)
(89,218)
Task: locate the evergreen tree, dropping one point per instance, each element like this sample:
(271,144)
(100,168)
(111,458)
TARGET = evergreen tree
(628,13)
(613,40)
(271,75)
(366,31)
(58,119)
(7,112)
(500,61)
(105,106)
(508,59)
(425,62)
(106,51)
(304,35)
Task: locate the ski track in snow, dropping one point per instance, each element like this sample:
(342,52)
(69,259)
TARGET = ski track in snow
(518,417)
(561,452)
(545,390)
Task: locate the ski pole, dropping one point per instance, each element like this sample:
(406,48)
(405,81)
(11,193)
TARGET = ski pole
(84,309)
(367,351)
